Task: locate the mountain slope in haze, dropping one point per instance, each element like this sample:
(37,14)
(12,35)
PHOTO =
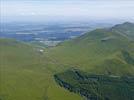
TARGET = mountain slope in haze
(26,74)
(125,29)
(102,51)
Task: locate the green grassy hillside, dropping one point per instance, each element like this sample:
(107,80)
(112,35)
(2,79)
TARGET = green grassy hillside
(102,51)
(26,74)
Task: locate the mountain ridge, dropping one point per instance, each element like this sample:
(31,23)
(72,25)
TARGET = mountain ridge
(95,47)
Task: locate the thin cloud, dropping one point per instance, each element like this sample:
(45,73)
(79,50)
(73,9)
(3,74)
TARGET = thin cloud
(97,9)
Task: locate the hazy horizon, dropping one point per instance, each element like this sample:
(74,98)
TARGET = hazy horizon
(66,10)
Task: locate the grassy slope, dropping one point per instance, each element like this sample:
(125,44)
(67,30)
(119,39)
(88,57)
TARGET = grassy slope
(99,51)
(25,74)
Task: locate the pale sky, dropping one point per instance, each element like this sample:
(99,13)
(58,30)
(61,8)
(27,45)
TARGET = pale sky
(66,9)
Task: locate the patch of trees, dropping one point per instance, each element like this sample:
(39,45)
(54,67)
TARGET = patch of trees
(76,89)
(96,87)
